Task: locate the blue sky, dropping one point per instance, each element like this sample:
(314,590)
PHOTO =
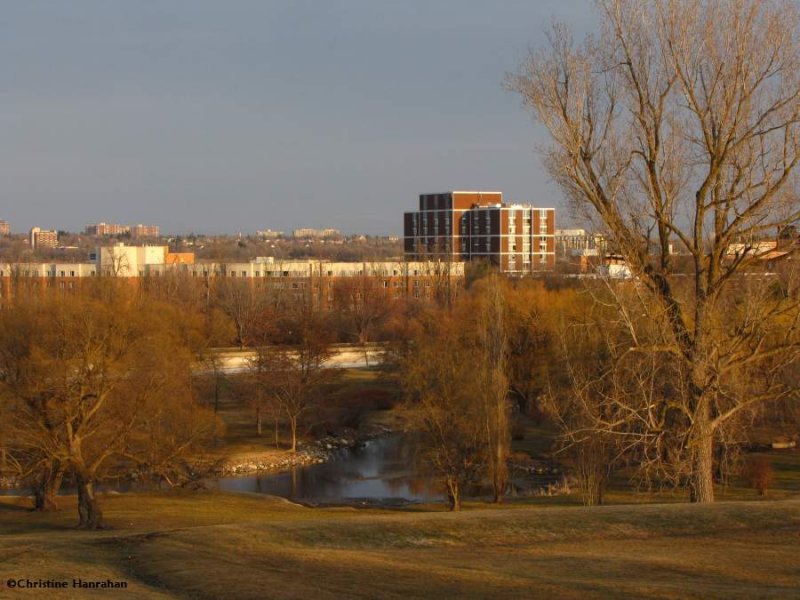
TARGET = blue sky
(215,116)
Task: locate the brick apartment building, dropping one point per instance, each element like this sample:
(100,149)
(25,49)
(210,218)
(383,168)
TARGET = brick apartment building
(460,225)
(42,238)
(101,229)
(145,231)
(135,231)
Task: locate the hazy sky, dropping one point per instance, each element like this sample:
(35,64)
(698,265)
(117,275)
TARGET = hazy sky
(227,116)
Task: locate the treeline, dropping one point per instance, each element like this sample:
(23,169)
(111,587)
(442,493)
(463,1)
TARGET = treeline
(105,381)
(598,362)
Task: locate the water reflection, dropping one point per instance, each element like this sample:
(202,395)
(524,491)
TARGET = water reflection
(381,470)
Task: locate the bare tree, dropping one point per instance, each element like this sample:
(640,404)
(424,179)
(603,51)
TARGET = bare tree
(363,303)
(244,303)
(442,387)
(492,346)
(81,374)
(297,374)
(678,125)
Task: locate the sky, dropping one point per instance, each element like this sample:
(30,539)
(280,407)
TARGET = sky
(232,116)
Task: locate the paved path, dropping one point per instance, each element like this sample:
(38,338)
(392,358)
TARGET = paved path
(344,357)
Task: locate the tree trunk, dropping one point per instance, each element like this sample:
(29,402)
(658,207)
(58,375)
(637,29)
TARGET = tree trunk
(89,513)
(46,488)
(701,478)
(453,494)
(500,475)
(293,426)
(258,419)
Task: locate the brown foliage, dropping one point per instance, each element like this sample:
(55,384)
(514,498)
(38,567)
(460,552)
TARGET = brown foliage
(759,473)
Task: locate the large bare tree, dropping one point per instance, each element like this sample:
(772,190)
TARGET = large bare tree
(88,385)
(677,126)
(444,389)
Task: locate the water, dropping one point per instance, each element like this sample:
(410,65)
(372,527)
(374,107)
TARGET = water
(381,471)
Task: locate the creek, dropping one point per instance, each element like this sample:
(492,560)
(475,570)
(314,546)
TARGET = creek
(380,471)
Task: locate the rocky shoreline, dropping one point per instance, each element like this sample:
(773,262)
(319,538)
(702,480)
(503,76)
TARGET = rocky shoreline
(312,453)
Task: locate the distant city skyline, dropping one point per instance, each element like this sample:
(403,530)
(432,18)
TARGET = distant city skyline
(210,117)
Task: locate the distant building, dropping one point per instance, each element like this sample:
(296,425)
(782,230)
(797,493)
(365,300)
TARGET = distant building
(286,280)
(754,248)
(268,234)
(615,267)
(5,228)
(461,225)
(128,261)
(102,229)
(145,231)
(42,238)
(577,242)
(307,233)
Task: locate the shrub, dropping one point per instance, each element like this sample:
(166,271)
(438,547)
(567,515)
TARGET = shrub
(759,473)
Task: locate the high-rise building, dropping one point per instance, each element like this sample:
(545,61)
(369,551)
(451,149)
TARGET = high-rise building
(458,225)
(5,228)
(145,231)
(107,229)
(42,238)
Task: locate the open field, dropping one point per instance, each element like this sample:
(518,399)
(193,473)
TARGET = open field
(212,545)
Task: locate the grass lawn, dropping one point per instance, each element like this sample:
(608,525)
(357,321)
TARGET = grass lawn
(216,545)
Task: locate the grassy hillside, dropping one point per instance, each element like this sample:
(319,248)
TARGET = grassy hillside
(212,545)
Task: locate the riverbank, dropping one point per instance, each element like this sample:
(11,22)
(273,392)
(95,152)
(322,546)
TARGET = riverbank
(310,453)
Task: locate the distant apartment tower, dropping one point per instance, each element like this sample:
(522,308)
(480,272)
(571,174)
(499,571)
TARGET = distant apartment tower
(42,238)
(5,228)
(145,231)
(462,225)
(306,233)
(107,229)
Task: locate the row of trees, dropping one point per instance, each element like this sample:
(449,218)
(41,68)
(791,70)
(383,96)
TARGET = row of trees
(590,359)
(467,368)
(358,309)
